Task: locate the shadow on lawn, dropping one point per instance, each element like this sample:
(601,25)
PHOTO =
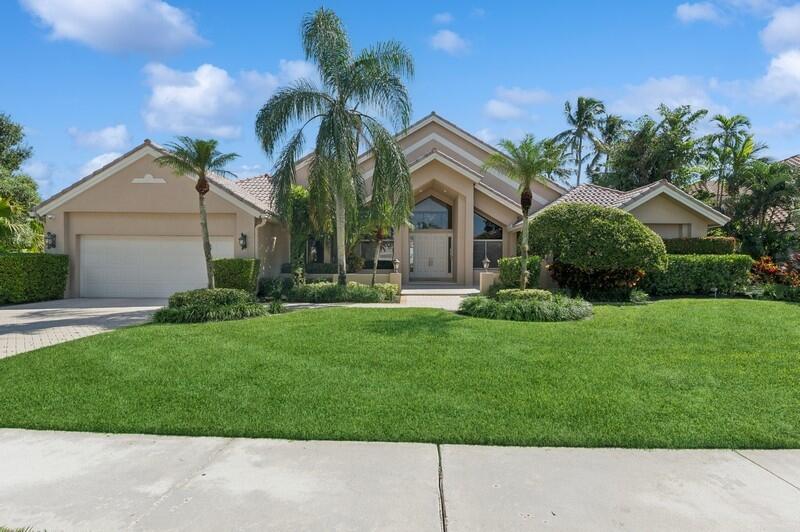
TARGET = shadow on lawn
(407,323)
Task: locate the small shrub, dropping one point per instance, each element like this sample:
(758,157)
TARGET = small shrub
(699,274)
(782,292)
(269,287)
(216,304)
(559,308)
(355,264)
(639,297)
(765,271)
(28,277)
(237,273)
(710,245)
(511,294)
(388,290)
(510,270)
(328,292)
(276,307)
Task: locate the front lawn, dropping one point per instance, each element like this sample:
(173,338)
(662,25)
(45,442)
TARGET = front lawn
(675,373)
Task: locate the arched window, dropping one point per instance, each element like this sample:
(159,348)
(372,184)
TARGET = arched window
(431,213)
(487,241)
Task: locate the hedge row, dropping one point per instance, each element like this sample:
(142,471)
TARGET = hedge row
(328,292)
(511,269)
(712,245)
(204,304)
(699,274)
(782,292)
(237,273)
(557,308)
(28,277)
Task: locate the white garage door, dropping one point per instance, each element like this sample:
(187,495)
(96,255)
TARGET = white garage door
(145,266)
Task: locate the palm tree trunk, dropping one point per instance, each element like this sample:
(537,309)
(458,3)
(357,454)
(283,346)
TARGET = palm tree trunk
(206,240)
(341,246)
(523,278)
(375,260)
(578,158)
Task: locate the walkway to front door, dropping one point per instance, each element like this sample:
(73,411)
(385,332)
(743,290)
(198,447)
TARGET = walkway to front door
(435,295)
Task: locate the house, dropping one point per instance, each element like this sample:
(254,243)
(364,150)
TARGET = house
(131,228)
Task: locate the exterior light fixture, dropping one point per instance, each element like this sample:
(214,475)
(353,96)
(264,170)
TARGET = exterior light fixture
(243,241)
(49,240)
(396,263)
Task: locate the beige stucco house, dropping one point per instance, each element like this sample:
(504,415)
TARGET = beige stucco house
(131,228)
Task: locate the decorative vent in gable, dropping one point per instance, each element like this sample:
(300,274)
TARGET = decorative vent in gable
(148,179)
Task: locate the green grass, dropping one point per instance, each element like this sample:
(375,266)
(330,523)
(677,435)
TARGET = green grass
(684,373)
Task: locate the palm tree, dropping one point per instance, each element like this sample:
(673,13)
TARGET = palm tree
(351,86)
(9,226)
(582,123)
(198,157)
(556,155)
(526,163)
(723,145)
(611,129)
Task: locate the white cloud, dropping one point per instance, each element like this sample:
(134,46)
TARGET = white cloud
(520,96)
(501,110)
(443,18)
(486,135)
(671,91)
(107,138)
(40,171)
(148,26)
(696,12)
(448,41)
(782,80)
(208,100)
(783,30)
(98,162)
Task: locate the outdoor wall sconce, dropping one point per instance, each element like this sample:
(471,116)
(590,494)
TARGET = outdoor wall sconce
(49,240)
(243,241)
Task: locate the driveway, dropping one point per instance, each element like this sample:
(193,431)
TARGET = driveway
(81,481)
(34,325)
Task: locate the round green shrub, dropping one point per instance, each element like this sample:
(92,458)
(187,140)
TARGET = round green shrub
(592,238)
(510,294)
(216,304)
(558,308)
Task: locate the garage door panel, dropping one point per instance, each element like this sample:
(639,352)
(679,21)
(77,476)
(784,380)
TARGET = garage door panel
(145,266)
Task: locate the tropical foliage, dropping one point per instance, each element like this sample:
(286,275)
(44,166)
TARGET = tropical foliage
(527,163)
(583,120)
(200,158)
(19,193)
(355,92)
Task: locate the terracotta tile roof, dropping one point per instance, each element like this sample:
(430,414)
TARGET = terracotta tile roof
(606,197)
(793,161)
(260,187)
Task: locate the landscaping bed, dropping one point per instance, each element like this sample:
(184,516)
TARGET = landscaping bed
(683,373)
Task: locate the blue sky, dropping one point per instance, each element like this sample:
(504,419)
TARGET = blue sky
(93,78)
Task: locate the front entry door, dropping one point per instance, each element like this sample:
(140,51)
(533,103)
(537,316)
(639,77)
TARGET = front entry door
(431,255)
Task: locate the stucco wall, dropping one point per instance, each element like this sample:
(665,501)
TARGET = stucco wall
(671,219)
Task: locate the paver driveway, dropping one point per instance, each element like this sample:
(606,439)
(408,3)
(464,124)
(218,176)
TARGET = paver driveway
(34,325)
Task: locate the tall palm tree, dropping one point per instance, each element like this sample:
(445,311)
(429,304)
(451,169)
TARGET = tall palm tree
(555,153)
(526,163)
(355,92)
(198,157)
(582,122)
(611,130)
(732,134)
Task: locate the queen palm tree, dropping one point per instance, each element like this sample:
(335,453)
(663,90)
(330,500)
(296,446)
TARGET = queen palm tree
(610,129)
(582,122)
(724,147)
(526,163)
(198,157)
(355,92)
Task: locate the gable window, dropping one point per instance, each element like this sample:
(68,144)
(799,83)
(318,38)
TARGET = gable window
(487,241)
(431,213)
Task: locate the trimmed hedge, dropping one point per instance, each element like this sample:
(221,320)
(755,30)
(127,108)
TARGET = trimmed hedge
(711,245)
(699,274)
(782,292)
(328,292)
(237,273)
(29,277)
(510,270)
(558,308)
(214,304)
(513,294)
(593,238)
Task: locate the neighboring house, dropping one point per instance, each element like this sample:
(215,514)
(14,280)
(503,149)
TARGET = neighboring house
(132,230)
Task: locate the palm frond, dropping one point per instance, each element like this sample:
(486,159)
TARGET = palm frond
(299,102)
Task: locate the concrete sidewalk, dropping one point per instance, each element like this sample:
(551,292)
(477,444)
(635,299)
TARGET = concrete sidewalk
(77,481)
